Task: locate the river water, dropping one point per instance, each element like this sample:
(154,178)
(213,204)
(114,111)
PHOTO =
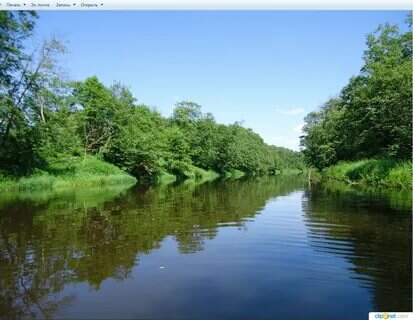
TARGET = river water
(264,248)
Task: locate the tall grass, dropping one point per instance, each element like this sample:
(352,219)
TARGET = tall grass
(373,172)
(69,173)
(292,171)
(165,178)
(233,174)
(200,175)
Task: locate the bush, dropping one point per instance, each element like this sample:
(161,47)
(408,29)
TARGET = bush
(374,172)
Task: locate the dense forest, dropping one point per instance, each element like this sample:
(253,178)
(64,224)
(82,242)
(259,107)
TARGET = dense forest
(369,124)
(49,125)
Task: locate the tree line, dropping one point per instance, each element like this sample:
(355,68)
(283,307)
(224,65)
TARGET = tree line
(44,118)
(372,115)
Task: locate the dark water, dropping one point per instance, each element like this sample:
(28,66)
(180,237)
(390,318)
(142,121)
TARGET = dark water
(266,248)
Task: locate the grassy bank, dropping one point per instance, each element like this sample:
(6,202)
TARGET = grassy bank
(70,173)
(91,172)
(373,172)
(292,171)
(201,175)
(192,173)
(234,174)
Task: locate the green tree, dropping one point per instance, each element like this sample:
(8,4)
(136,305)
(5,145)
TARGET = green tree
(372,117)
(98,107)
(26,95)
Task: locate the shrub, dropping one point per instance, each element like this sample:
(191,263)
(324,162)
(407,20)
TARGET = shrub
(375,172)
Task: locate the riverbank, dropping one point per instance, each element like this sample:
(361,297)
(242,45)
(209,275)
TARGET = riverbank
(193,173)
(70,173)
(372,172)
(90,171)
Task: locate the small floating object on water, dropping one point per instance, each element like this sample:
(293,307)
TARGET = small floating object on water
(162,267)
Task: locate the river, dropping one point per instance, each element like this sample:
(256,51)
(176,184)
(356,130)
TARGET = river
(263,248)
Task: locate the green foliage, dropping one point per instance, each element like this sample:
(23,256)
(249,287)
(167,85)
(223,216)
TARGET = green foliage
(372,116)
(28,85)
(138,142)
(384,173)
(16,26)
(72,172)
(58,137)
(227,148)
(234,174)
(400,176)
(177,157)
(46,122)
(16,136)
(98,113)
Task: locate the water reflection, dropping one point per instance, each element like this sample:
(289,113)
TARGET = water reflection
(50,243)
(46,242)
(373,232)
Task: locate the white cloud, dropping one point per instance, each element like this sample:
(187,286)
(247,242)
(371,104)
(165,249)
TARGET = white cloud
(291,111)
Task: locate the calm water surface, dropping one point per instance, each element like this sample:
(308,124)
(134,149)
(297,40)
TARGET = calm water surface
(266,248)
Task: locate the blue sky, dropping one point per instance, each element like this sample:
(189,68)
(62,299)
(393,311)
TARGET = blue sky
(265,68)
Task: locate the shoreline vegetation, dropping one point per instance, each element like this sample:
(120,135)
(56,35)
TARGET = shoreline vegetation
(91,172)
(363,136)
(73,173)
(376,173)
(56,133)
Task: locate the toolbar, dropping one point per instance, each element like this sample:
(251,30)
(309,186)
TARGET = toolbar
(203,4)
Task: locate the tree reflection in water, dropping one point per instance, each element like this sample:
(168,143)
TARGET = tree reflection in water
(50,241)
(373,232)
(47,242)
